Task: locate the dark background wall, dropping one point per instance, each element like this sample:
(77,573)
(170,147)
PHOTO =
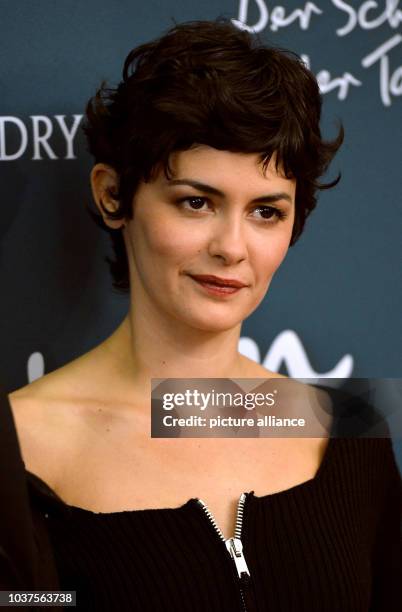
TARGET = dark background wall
(333,309)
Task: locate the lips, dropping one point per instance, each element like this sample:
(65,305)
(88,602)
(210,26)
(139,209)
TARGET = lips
(217,280)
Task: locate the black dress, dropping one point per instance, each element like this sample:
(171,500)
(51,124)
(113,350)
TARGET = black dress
(330,544)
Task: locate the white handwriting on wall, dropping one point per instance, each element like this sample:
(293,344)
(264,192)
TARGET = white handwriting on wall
(360,17)
(327,83)
(288,349)
(368,16)
(390,84)
(276,18)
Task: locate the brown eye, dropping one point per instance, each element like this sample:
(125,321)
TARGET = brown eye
(270,214)
(196,202)
(266,212)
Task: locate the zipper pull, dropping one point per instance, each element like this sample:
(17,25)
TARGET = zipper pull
(235,548)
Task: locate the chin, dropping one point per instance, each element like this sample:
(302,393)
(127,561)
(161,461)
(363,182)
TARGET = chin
(215,324)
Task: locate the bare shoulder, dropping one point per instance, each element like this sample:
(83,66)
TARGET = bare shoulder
(51,415)
(68,392)
(43,399)
(29,404)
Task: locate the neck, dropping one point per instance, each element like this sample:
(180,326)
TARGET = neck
(142,349)
(175,351)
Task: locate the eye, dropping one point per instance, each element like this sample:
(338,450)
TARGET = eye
(271,214)
(195,202)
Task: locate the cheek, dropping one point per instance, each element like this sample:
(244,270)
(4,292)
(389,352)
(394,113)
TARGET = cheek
(164,242)
(268,255)
(280,252)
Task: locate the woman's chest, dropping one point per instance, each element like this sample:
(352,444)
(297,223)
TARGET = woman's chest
(149,473)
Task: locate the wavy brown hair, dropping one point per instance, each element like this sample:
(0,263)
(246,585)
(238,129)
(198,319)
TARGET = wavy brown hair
(207,82)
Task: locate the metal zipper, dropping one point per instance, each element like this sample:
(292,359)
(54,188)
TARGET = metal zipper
(234,544)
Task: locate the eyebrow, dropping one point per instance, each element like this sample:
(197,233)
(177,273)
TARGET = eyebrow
(270,197)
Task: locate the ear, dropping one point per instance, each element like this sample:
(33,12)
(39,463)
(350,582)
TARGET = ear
(105,183)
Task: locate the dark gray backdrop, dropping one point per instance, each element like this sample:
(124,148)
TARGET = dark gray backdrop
(333,309)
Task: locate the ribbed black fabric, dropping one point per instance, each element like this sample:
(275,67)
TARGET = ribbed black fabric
(332,543)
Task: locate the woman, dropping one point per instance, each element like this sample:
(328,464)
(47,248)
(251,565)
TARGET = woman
(207,162)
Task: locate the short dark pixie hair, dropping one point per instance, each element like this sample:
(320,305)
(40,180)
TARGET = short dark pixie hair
(207,82)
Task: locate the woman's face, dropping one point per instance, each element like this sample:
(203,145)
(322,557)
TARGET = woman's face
(217,215)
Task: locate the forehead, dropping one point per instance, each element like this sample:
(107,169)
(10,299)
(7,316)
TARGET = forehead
(226,170)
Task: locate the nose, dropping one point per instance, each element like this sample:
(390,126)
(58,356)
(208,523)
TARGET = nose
(228,239)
